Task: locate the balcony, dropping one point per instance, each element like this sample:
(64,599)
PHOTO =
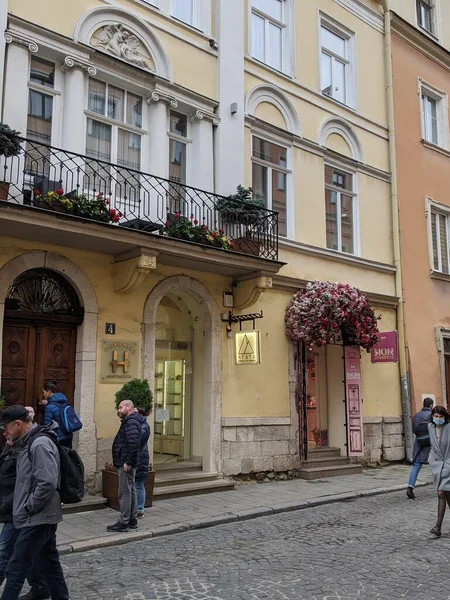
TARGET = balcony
(118,209)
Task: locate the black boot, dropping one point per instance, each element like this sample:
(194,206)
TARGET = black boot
(410,493)
(35,595)
(118,527)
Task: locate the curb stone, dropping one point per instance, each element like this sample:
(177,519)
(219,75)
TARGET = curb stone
(252,513)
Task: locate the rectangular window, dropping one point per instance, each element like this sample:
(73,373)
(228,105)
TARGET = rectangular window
(340,210)
(183,10)
(335,62)
(177,147)
(42,72)
(268,31)
(270,178)
(111,141)
(426,15)
(439,237)
(429,118)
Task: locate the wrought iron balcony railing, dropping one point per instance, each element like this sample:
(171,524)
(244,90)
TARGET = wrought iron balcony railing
(102,191)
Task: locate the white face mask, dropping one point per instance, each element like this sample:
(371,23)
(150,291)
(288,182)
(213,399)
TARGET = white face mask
(438,420)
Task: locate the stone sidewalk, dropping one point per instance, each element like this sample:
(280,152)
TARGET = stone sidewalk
(87,530)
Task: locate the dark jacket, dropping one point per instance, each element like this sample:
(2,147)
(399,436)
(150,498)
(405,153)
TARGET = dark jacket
(8,465)
(125,449)
(144,457)
(53,413)
(36,497)
(421,454)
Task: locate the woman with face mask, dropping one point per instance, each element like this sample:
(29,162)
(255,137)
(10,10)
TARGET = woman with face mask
(439,461)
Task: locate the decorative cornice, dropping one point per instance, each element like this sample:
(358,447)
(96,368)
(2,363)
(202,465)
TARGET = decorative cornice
(131,271)
(21,40)
(201,115)
(422,42)
(247,293)
(363,12)
(158,96)
(75,63)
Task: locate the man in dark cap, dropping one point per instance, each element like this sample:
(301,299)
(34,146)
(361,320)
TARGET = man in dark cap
(37,505)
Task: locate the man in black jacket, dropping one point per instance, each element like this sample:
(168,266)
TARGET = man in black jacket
(421,448)
(9,534)
(125,453)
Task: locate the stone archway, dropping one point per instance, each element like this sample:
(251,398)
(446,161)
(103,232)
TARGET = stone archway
(212,390)
(86,350)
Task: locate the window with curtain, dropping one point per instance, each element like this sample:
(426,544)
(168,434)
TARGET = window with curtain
(40,115)
(270,178)
(268,32)
(113,137)
(340,205)
(183,10)
(426,15)
(178,145)
(334,64)
(439,239)
(429,118)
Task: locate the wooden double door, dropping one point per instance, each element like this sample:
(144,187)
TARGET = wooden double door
(36,351)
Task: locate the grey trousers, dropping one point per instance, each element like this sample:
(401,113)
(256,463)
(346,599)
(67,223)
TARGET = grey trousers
(127,495)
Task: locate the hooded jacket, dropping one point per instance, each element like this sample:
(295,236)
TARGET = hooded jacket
(36,497)
(53,413)
(144,458)
(125,449)
(8,465)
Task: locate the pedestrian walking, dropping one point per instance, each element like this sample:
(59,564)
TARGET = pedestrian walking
(422,444)
(143,464)
(439,461)
(36,506)
(9,534)
(54,401)
(125,453)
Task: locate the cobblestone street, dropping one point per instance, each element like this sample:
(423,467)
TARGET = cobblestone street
(376,547)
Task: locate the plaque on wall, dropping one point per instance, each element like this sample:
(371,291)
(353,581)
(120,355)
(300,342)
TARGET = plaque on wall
(119,361)
(248,349)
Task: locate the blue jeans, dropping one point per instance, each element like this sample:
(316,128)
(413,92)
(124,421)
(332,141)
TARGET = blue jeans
(414,473)
(140,495)
(8,538)
(35,547)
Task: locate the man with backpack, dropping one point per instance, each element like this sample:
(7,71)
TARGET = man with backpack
(57,408)
(422,445)
(37,504)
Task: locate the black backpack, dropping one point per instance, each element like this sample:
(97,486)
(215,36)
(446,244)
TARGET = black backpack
(423,434)
(71,487)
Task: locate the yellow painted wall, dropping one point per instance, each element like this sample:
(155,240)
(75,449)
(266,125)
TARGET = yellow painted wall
(270,114)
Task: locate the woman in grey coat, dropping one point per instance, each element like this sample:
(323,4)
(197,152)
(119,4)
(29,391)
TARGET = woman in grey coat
(439,461)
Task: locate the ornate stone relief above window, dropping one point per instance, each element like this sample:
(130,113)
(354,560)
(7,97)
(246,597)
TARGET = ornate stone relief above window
(118,41)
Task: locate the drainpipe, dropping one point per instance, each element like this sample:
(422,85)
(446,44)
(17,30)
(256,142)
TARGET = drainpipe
(403,363)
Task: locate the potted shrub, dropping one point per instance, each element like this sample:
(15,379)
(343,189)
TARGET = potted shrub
(138,391)
(9,146)
(242,211)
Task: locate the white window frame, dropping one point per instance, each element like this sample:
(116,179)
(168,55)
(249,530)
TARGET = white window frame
(201,17)
(286,25)
(55,91)
(355,207)
(434,16)
(280,141)
(441,99)
(433,211)
(350,59)
(184,140)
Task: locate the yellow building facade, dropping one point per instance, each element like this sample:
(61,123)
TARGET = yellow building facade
(286,97)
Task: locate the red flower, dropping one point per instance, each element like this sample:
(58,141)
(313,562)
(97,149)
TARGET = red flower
(177,215)
(116,219)
(214,234)
(60,191)
(37,192)
(112,212)
(204,227)
(195,222)
(100,194)
(221,231)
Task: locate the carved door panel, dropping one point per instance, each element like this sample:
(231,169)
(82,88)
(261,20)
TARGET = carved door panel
(33,354)
(55,360)
(18,356)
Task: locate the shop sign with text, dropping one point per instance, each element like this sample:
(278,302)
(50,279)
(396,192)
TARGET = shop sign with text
(248,349)
(386,350)
(119,361)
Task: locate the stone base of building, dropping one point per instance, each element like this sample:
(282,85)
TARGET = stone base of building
(383,437)
(259,448)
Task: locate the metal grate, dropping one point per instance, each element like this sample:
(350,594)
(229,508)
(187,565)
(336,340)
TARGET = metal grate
(43,292)
(145,202)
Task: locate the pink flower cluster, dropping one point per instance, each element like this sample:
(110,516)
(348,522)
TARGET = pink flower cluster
(325,310)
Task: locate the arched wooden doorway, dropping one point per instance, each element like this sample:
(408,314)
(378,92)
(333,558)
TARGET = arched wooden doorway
(42,313)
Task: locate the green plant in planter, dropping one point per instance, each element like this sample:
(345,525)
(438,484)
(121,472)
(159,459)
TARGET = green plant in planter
(241,208)
(138,391)
(9,141)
